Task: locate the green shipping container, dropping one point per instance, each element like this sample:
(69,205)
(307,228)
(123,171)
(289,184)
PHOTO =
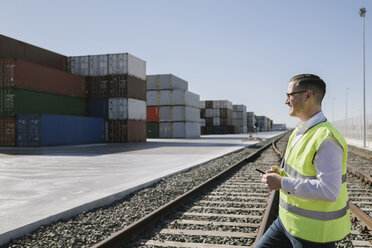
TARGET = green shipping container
(152,129)
(18,101)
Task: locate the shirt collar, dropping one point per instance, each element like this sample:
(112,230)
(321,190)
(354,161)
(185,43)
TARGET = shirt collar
(314,120)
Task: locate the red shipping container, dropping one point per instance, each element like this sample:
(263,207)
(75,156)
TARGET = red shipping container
(153,114)
(7,131)
(25,75)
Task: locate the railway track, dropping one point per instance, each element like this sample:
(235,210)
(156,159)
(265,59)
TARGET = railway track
(225,212)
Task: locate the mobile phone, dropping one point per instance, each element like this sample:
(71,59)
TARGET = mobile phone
(260,171)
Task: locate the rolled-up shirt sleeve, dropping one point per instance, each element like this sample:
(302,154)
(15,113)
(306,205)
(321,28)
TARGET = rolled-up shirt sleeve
(327,185)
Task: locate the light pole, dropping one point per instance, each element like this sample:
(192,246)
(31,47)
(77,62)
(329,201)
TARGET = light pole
(347,89)
(362,13)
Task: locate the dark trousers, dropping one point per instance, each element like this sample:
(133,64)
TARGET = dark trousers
(276,236)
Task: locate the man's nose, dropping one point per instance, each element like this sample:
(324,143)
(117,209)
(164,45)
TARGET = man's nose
(286,101)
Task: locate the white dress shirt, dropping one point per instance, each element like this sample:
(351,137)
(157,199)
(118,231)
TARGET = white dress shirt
(328,165)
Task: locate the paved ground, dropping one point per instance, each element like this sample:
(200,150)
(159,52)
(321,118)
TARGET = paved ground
(41,185)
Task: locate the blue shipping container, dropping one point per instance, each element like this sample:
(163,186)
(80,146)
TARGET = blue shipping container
(220,129)
(52,130)
(98,107)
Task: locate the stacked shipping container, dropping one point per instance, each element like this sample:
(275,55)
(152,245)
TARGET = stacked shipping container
(251,122)
(116,90)
(264,124)
(240,118)
(35,89)
(173,111)
(216,117)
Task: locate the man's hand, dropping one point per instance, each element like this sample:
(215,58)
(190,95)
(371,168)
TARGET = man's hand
(272,180)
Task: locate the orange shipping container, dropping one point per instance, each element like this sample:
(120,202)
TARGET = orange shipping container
(25,75)
(153,114)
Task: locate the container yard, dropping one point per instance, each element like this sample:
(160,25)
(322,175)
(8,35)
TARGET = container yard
(173,111)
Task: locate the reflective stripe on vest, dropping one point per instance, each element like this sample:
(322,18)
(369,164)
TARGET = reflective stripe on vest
(295,174)
(316,215)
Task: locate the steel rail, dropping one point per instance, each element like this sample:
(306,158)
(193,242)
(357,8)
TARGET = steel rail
(129,233)
(360,174)
(272,206)
(365,218)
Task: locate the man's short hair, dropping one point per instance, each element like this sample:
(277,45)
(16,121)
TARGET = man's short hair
(311,82)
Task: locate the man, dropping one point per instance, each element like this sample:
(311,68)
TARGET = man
(313,205)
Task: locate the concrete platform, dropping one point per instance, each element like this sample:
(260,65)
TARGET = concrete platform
(42,185)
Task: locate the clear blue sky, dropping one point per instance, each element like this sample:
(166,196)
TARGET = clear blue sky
(241,50)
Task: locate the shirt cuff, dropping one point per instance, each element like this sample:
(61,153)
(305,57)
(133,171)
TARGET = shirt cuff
(287,185)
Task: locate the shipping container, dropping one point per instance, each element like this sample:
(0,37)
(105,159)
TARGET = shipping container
(25,75)
(7,131)
(121,131)
(152,129)
(172,97)
(108,64)
(153,114)
(179,113)
(116,86)
(18,101)
(209,104)
(53,130)
(136,110)
(137,131)
(12,48)
(98,107)
(179,129)
(118,108)
(117,131)
(165,82)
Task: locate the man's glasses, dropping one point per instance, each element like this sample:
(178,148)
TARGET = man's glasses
(294,93)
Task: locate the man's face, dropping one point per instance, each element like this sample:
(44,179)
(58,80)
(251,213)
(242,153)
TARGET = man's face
(295,101)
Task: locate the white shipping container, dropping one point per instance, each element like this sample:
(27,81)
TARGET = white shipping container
(78,65)
(202,104)
(222,104)
(179,113)
(235,115)
(118,108)
(98,65)
(165,129)
(153,97)
(136,110)
(166,97)
(216,121)
(208,113)
(216,112)
(136,67)
(186,130)
(192,99)
(108,64)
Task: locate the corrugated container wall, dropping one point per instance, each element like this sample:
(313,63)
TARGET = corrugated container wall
(11,48)
(52,130)
(165,82)
(107,64)
(26,75)
(7,131)
(19,101)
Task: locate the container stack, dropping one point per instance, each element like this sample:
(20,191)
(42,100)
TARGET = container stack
(240,118)
(264,124)
(41,103)
(251,122)
(217,117)
(116,91)
(172,110)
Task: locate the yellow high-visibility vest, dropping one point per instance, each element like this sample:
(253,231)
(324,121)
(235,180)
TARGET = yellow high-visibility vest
(313,220)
